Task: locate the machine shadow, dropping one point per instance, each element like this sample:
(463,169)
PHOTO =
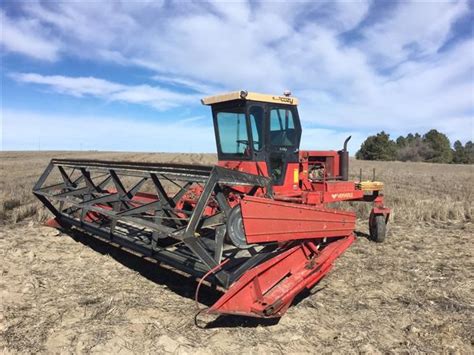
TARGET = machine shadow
(184,286)
(360,234)
(230,321)
(224,321)
(180,284)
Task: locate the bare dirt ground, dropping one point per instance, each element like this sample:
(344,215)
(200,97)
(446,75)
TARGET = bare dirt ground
(413,293)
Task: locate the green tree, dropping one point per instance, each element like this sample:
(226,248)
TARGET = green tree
(401,142)
(469,151)
(432,147)
(463,154)
(378,147)
(458,153)
(411,148)
(439,147)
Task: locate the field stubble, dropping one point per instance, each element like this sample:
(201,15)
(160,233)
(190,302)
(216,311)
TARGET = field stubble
(413,293)
(415,191)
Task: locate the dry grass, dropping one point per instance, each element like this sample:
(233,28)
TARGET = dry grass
(423,192)
(417,192)
(21,170)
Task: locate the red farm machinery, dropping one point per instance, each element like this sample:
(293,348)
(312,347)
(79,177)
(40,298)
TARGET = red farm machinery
(257,226)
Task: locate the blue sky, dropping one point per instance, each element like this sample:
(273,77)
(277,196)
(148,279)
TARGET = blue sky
(129,75)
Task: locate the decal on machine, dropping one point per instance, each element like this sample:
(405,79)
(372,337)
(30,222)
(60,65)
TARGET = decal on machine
(342,195)
(288,100)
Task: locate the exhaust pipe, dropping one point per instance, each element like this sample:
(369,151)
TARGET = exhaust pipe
(344,161)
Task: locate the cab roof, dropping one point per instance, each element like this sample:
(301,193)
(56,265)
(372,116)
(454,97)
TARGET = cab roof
(253,96)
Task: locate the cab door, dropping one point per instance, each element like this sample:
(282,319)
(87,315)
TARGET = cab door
(283,139)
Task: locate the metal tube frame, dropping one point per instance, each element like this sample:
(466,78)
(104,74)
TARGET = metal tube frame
(153,228)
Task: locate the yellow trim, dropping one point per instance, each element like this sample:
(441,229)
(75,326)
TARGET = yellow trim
(296,176)
(244,95)
(370,185)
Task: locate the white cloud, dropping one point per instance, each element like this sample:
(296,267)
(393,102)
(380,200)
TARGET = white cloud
(414,29)
(28,37)
(73,86)
(153,96)
(271,46)
(186,83)
(87,23)
(418,96)
(348,14)
(236,11)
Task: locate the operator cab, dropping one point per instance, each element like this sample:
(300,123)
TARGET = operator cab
(257,127)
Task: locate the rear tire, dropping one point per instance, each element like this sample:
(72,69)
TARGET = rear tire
(378,228)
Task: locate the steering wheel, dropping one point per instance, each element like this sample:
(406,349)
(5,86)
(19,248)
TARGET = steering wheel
(247,145)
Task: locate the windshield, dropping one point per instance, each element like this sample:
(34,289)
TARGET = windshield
(232,131)
(282,128)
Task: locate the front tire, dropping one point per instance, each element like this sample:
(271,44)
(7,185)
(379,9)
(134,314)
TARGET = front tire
(378,228)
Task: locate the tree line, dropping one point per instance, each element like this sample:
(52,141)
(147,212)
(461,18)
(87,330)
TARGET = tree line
(433,147)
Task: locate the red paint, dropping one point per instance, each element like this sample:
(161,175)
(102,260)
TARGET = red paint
(266,220)
(296,212)
(53,223)
(268,289)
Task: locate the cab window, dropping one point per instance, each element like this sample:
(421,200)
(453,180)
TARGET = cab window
(232,132)
(282,128)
